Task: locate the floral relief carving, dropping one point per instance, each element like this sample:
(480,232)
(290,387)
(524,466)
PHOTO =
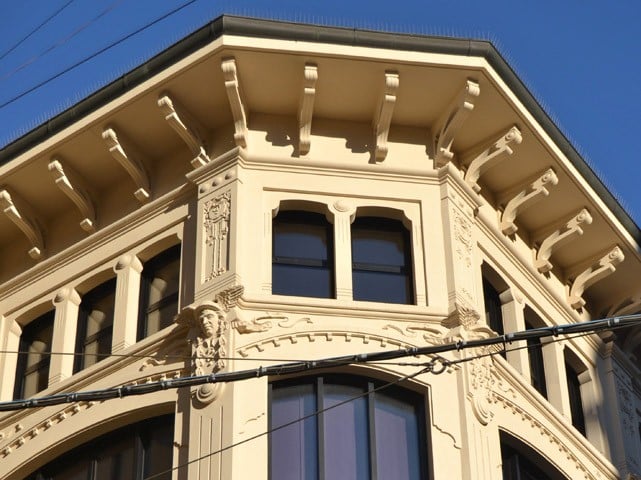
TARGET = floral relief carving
(481,385)
(217,212)
(463,238)
(625,405)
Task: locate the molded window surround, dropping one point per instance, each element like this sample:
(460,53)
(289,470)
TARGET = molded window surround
(381,261)
(95,325)
(302,255)
(375,435)
(521,462)
(159,286)
(134,452)
(32,371)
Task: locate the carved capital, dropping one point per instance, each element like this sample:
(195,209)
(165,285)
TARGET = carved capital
(451,121)
(462,316)
(526,195)
(187,128)
(128,260)
(232,86)
(490,154)
(20,213)
(127,159)
(383,115)
(73,187)
(558,237)
(67,294)
(605,266)
(306,107)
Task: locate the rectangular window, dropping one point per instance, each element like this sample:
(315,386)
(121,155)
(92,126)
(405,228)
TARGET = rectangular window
(574,392)
(158,303)
(95,325)
(493,312)
(32,372)
(381,261)
(303,255)
(535,353)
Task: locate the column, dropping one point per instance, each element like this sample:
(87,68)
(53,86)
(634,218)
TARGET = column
(125,326)
(344,214)
(66,302)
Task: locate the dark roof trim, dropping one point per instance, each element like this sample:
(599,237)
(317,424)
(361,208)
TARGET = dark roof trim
(231,25)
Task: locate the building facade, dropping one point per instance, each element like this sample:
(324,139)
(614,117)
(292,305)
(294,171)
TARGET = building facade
(265,192)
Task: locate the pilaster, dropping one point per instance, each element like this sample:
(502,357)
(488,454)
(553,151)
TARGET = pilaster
(344,213)
(10,337)
(554,365)
(514,321)
(66,302)
(128,270)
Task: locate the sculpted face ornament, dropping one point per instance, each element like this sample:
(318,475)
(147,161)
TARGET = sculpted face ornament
(208,334)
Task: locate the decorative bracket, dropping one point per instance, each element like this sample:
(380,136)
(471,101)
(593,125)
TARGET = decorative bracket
(526,195)
(451,121)
(490,156)
(383,115)
(19,212)
(627,306)
(597,271)
(132,166)
(70,183)
(186,127)
(232,86)
(558,237)
(306,108)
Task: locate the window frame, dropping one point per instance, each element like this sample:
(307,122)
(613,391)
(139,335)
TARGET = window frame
(29,334)
(82,341)
(408,396)
(150,267)
(536,361)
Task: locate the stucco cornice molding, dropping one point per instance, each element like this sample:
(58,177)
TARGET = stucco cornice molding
(383,115)
(187,127)
(72,185)
(21,214)
(306,107)
(129,161)
(451,121)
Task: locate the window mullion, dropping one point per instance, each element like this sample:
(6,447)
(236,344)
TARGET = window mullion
(371,431)
(320,430)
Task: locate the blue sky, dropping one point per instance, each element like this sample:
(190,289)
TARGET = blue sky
(580,58)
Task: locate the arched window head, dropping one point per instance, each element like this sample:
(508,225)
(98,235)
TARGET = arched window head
(522,462)
(361,433)
(381,261)
(32,370)
(302,255)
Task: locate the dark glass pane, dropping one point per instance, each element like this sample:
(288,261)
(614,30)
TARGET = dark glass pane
(345,431)
(382,287)
(115,459)
(293,448)
(517,466)
(576,405)
(397,439)
(493,312)
(381,261)
(78,470)
(158,441)
(32,370)
(95,324)
(303,261)
(159,292)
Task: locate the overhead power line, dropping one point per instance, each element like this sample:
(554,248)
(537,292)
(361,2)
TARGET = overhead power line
(436,366)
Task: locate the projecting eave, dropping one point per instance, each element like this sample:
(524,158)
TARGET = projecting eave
(382,104)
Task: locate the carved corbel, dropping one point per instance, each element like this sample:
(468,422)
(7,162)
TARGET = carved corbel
(526,195)
(490,155)
(451,121)
(187,128)
(72,186)
(20,213)
(208,333)
(605,266)
(306,108)
(230,73)
(131,164)
(558,237)
(627,306)
(383,115)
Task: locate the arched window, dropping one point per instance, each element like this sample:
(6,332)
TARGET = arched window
(369,434)
(133,452)
(521,462)
(95,325)
(303,255)
(158,303)
(381,261)
(32,371)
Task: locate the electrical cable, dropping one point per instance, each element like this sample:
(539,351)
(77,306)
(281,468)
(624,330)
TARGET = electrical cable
(437,365)
(292,422)
(44,22)
(82,27)
(99,52)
